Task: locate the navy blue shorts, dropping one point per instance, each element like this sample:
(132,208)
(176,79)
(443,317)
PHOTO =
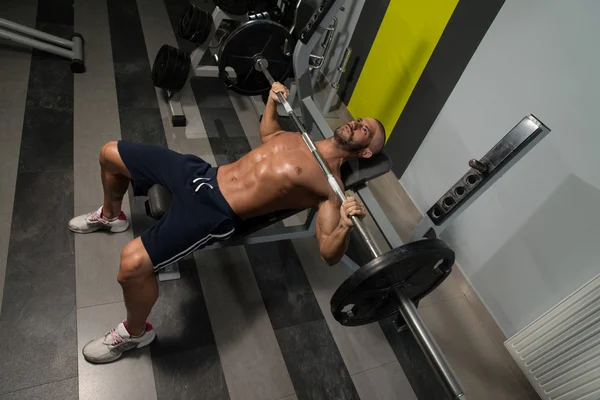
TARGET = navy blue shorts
(198,215)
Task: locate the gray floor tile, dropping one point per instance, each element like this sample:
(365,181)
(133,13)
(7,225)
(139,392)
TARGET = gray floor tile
(448,290)
(63,390)
(13,94)
(34,229)
(198,147)
(314,363)
(38,322)
(14,66)
(286,292)
(199,368)
(131,377)
(361,347)
(387,382)
(88,186)
(43,152)
(4,236)
(97,257)
(292,397)
(180,317)
(229,149)
(252,361)
(11,128)
(96,100)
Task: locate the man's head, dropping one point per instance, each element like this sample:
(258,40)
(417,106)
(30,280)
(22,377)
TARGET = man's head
(363,137)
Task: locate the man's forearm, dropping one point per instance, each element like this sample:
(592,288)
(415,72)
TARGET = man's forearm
(335,246)
(269,123)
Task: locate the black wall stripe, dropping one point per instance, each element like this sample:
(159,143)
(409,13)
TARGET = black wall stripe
(465,30)
(362,40)
(38,327)
(185,359)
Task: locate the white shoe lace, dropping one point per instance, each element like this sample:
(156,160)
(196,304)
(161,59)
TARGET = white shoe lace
(115,338)
(95,216)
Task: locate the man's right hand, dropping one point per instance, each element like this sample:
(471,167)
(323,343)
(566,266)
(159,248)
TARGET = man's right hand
(278,88)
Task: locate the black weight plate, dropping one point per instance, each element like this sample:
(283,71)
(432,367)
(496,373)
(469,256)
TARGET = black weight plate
(195,24)
(171,68)
(233,7)
(367,295)
(244,45)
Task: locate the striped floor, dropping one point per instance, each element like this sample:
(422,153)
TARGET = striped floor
(246,323)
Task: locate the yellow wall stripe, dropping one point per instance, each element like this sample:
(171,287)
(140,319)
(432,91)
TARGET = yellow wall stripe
(406,38)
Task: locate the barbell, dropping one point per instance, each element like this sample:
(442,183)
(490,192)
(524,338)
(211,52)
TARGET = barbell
(391,282)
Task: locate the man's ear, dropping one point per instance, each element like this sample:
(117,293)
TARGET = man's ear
(366,153)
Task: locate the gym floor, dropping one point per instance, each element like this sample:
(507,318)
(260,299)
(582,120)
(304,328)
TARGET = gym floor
(248,322)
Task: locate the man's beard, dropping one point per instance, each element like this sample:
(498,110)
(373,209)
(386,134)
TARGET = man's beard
(347,143)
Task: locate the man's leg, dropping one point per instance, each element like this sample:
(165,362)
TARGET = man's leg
(139,284)
(115,179)
(140,291)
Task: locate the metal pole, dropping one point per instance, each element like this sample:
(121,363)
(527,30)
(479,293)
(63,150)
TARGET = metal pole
(36,34)
(428,345)
(36,44)
(406,306)
(262,65)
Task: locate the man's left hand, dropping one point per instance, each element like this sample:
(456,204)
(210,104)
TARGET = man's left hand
(351,207)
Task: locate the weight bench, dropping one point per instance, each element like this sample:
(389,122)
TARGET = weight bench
(355,175)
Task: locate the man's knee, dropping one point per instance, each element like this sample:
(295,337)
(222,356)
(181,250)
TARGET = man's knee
(109,157)
(135,264)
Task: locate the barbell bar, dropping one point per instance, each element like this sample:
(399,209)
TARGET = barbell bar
(405,305)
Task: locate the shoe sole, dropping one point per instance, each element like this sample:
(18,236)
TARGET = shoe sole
(115,358)
(112,229)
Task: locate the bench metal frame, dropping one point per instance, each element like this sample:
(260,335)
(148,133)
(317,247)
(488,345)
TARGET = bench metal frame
(70,49)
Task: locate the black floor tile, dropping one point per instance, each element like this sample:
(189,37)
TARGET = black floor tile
(55,12)
(135,88)
(64,390)
(127,37)
(180,317)
(47,140)
(193,375)
(42,209)
(314,362)
(142,125)
(286,292)
(38,328)
(50,82)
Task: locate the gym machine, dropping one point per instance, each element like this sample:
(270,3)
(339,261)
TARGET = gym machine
(173,68)
(71,49)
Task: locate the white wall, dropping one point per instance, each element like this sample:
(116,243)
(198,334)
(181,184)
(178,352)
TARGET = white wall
(534,237)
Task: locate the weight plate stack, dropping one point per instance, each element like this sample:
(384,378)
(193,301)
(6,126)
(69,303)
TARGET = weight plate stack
(171,68)
(234,7)
(195,24)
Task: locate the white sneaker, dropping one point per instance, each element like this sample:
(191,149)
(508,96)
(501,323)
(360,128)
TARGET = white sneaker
(112,345)
(95,221)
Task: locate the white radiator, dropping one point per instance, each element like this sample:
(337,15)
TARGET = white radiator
(560,351)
